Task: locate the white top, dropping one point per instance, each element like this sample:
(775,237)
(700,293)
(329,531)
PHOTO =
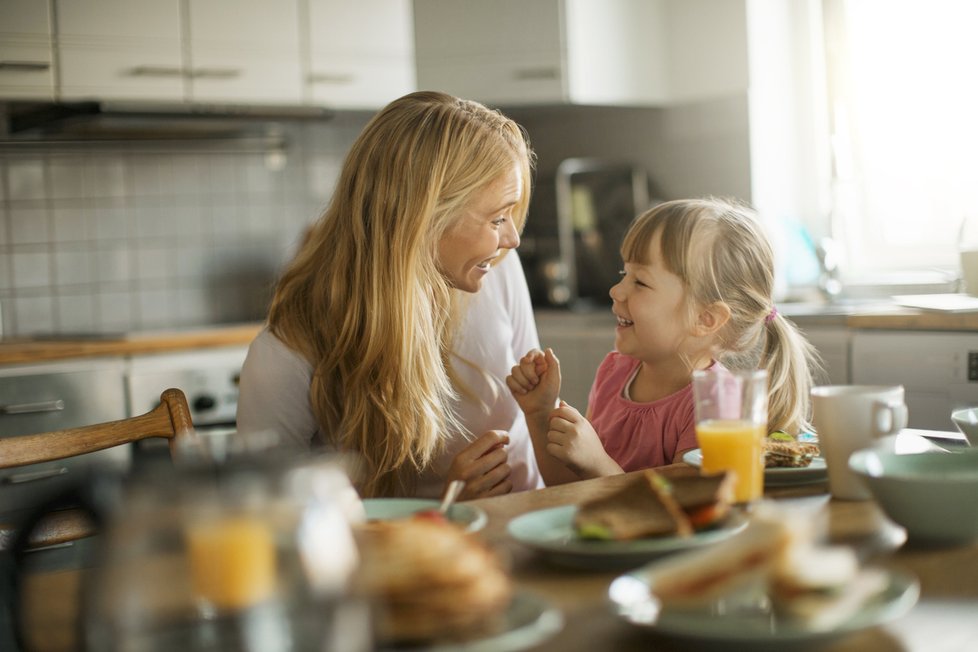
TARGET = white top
(497,330)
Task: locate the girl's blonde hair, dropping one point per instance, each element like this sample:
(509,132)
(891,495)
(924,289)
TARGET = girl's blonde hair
(364,302)
(720,252)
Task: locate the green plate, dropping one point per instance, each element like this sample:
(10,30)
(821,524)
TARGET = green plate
(551,532)
(386,509)
(748,621)
(528,621)
(776,476)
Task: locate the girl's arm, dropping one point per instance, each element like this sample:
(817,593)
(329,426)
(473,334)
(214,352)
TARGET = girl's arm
(535,384)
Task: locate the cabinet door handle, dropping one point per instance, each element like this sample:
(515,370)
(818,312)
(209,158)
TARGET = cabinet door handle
(216,73)
(29,408)
(155,71)
(31,476)
(330,78)
(24,66)
(531,74)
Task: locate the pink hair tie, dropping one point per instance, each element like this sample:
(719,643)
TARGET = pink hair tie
(771,315)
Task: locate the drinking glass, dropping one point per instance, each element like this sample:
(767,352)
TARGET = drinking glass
(731,423)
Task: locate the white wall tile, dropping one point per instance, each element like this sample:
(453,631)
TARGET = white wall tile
(112,262)
(153,261)
(117,239)
(25,178)
(76,313)
(70,221)
(67,177)
(33,314)
(112,220)
(29,223)
(32,270)
(114,311)
(74,264)
(105,176)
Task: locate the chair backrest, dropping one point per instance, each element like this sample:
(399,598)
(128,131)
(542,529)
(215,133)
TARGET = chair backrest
(171,419)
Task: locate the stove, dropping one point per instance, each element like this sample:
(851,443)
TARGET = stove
(209,378)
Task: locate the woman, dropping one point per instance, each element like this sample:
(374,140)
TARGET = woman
(358,352)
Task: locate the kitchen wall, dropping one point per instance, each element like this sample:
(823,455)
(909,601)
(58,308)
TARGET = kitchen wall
(144,236)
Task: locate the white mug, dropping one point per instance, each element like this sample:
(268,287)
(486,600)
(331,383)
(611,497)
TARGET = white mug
(848,418)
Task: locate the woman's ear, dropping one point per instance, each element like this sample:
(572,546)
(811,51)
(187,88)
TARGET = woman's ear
(711,319)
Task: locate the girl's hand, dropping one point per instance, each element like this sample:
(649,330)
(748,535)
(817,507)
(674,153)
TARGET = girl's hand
(484,466)
(535,381)
(573,441)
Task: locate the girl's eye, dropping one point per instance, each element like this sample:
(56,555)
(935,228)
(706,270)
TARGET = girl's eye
(498,221)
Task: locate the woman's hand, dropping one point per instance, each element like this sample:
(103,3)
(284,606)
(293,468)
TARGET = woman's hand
(573,441)
(535,381)
(484,466)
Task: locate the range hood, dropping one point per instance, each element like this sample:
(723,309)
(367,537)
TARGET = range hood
(136,120)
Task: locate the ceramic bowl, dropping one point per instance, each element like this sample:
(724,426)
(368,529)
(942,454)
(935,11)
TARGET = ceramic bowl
(933,495)
(967,422)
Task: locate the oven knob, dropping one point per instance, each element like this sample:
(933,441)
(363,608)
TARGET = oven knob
(203,402)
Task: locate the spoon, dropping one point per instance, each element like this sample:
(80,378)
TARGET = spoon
(454,488)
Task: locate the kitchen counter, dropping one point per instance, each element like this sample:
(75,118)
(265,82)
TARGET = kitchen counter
(52,348)
(865,315)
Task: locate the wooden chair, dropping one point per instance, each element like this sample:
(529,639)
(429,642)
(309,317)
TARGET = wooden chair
(171,420)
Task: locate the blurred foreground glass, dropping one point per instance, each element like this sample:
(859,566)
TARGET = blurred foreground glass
(731,423)
(248,554)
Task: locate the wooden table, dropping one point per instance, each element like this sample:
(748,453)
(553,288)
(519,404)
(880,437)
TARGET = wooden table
(945,618)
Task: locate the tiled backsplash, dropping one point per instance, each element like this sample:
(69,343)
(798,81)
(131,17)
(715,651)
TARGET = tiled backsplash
(142,236)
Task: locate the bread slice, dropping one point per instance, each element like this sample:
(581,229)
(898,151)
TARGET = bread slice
(642,508)
(788,454)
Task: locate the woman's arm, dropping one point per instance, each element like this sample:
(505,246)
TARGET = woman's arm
(274,392)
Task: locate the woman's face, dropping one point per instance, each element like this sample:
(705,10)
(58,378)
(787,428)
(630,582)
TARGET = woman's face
(484,228)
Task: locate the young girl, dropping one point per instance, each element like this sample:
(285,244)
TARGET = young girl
(695,293)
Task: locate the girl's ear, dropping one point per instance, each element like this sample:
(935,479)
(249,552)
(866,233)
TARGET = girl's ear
(711,319)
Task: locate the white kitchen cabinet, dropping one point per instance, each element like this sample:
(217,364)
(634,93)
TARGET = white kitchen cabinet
(120,49)
(938,370)
(244,51)
(26,62)
(832,344)
(614,52)
(360,54)
(197,50)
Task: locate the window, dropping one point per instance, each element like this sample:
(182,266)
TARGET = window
(903,118)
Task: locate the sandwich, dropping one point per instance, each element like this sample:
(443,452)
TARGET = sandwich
(781,450)
(652,504)
(819,586)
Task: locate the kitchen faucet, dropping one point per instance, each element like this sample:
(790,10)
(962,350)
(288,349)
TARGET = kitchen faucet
(829,283)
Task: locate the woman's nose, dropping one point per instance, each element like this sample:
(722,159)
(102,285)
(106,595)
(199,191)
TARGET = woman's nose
(510,237)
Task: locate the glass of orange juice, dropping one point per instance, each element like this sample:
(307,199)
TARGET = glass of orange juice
(731,420)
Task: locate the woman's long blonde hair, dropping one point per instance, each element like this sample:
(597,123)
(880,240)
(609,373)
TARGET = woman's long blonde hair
(364,301)
(720,252)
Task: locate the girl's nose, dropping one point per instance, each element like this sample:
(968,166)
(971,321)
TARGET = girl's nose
(616,292)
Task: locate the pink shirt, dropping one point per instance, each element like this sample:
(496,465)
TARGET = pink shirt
(639,435)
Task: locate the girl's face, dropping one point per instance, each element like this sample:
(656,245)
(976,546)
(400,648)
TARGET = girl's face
(484,228)
(648,302)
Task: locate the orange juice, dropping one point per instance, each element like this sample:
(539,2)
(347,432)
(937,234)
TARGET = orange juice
(735,445)
(232,561)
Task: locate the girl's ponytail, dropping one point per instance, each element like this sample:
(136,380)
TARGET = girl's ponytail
(791,362)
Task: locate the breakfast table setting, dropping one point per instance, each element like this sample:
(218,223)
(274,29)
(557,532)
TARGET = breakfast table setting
(563,595)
